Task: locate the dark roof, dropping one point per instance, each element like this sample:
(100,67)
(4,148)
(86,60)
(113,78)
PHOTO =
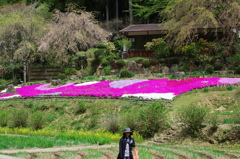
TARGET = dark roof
(143,27)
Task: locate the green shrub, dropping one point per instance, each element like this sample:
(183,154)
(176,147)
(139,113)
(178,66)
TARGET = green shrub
(105,63)
(218,67)
(230,87)
(61,76)
(112,124)
(146,63)
(152,119)
(120,63)
(2,84)
(126,73)
(37,120)
(209,70)
(192,117)
(81,108)
(18,118)
(3,118)
(237,70)
(106,70)
(70,71)
(101,46)
(153,62)
(206,89)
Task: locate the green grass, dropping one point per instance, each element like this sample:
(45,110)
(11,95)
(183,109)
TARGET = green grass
(20,142)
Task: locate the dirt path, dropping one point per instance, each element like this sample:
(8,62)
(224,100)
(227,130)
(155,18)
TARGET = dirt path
(57,149)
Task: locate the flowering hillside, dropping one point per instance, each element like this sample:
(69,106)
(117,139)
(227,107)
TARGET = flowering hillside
(141,88)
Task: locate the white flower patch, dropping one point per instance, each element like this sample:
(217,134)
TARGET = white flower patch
(168,96)
(87,83)
(13,96)
(5,90)
(51,94)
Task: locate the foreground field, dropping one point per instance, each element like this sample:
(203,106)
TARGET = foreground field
(145,151)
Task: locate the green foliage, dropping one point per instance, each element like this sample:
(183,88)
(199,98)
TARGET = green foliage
(105,63)
(154,62)
(192,117)
(107,70)
(146,63)
(81,108)
(18,118)
(120,63)
(126,73)
(159,47)
(124,42)
(101,46)
(230,87)
(218,67)
(237,70)
(70,71)
(152,119)
(3,84)
(209,70)
(61,76)
(37,120)
(206,89)
(3,118)
(112,124)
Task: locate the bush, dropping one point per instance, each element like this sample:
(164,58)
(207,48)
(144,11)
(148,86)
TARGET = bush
(112,124)
(209,70)
(3,118)
(126,73)
(192,117)
(153,62)
(146,63)
(61,76)
(101,46)
(81,108)
(152,119)
(18,118)
(37,120)
(106,70)
(105,63)
(218,67)
(237,70)
(120,63)
(70,71)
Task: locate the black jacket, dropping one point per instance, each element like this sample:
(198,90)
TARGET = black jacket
(122,147)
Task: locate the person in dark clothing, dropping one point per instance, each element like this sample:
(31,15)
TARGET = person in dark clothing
(126,145)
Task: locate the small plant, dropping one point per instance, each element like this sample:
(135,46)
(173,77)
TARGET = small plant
(151,119)
(70,71)
(146,63)
(112,124)
(206,89)
(230,87)
(120,63)
(126,73)
(192,117)
(105,63)
(37,120)
(107,70)
(18,118)
(101,46)
(61,76)
(3,118)
(153,62)
(81,108)
(209,70)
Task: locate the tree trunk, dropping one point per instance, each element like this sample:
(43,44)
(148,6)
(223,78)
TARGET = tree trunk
(107,15)
(130,12)
(117,13)
(25,72)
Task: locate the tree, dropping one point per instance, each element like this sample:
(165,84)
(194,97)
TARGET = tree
(184,18)
(20,25)
(70,33)
(145,9)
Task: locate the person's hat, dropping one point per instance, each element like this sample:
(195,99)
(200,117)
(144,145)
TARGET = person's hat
(127,130)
